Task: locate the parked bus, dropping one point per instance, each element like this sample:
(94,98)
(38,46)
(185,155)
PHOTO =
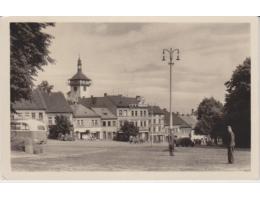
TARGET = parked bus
(24,129)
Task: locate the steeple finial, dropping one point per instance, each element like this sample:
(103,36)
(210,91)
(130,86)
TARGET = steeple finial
(79,63)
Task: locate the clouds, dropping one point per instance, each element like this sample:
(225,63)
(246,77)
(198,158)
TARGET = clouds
(126,57)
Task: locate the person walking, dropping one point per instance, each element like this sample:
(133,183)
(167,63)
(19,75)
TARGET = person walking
(171,143)
(230,144)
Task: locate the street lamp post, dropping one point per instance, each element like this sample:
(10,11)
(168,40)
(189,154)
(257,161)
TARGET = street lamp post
(171,63)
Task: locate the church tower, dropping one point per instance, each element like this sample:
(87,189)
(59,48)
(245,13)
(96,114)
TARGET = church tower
(79,84)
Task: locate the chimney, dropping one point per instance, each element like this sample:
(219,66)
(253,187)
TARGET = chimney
(105,94)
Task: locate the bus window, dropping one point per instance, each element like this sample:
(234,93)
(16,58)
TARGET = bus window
(24,126)
(41,128)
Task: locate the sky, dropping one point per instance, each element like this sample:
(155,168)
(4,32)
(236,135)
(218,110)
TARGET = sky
(126,58)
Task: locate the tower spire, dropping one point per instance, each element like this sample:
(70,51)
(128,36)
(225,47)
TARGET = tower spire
(79,63)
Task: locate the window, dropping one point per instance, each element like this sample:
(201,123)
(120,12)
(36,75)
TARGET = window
(15,126)
(24,126)
(40,116)
(144,123)
(81,122)
(141,113)
(120,113)
(125,113)
(144,112)
(133,113)
(75,89)
(104,123)
(154,121)
(27,114)
(114,123)
(141,123)
(136,113)
(84,88)
(33,115)
(50,120)
(109,123)
(78,122)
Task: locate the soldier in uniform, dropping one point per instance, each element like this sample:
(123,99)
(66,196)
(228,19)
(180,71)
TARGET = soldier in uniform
(171,143)
(230,144)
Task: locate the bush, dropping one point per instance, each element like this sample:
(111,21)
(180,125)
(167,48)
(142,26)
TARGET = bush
(61,128)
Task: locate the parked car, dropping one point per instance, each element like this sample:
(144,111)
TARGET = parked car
(22,130)
(184,142)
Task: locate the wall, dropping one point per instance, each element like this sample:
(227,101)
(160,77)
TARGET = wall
(108,132)
(84,124)
(139,116)
(51,117)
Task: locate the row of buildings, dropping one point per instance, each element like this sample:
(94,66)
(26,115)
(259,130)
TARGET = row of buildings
(101,117)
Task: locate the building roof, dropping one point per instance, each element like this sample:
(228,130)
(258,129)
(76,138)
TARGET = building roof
(53,102)
(56,102)
(189,119)
(122,101)
(80,76)
(176,120)
(82,111)
(156,110)
(96,102)
(36,102)
(104,113)
(111,102)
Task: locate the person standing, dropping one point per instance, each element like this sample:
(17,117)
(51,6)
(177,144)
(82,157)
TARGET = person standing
(230,144)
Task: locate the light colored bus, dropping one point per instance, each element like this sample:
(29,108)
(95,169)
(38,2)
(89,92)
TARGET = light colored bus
(29,128)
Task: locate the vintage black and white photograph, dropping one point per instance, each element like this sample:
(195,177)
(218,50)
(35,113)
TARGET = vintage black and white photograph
(130,96)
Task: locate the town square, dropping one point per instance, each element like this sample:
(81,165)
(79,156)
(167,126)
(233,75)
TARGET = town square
(130,97)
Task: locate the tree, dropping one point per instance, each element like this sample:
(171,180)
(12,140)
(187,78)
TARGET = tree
(29,53)
(44,86)
(62,127)
(210,118)
(237,106)
(128,129)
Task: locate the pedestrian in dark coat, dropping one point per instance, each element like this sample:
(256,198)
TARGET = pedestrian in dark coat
(230,144)
(171,143)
